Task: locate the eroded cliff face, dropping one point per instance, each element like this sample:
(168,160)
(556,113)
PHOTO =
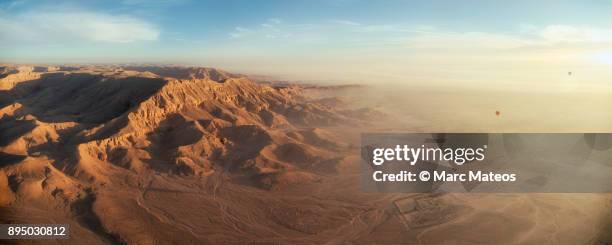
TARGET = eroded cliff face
(85,145)
(64,129)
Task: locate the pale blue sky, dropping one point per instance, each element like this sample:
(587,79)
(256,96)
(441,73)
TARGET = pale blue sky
(440,41)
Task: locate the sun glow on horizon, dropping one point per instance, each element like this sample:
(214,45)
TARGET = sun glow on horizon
(411,43)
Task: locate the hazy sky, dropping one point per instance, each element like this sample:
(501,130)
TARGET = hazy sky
(503,45)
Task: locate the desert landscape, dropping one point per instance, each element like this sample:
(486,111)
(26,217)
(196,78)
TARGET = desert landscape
(255,122)
(155,154)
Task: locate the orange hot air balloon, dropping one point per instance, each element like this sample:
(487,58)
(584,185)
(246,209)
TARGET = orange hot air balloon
(497,113)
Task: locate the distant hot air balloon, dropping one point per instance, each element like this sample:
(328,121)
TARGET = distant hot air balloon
(497,113)
(569,73)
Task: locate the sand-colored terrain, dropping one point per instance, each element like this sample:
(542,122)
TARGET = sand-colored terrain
(187,155)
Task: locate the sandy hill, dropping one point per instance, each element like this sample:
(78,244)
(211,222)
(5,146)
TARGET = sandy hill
(69,134)
(93,121)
